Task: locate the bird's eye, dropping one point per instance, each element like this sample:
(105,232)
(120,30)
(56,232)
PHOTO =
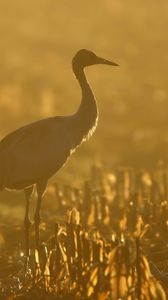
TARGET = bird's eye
(92,56)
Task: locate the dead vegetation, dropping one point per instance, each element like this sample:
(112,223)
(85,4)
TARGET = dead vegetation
(112,245)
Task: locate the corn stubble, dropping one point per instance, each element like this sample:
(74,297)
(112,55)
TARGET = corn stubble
(112,245)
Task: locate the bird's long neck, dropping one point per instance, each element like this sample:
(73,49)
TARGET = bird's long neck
(87,113)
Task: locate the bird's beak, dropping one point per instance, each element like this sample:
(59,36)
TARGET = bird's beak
(106,62)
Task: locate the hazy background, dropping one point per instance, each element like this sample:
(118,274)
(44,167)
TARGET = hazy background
(38,41)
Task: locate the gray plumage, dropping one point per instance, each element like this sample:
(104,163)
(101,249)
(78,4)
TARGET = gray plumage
(36,151)
(32,154)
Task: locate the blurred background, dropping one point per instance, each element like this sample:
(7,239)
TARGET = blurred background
(38,41)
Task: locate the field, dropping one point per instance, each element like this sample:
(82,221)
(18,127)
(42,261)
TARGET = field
(105,240)
(126,209)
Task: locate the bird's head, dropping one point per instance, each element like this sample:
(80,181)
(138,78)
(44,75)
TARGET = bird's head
(86,58)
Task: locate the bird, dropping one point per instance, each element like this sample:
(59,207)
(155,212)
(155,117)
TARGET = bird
(32,154)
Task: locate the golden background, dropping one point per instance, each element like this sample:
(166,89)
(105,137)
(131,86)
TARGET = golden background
(38,41)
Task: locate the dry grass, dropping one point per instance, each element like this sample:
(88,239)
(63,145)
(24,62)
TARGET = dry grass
(112,244)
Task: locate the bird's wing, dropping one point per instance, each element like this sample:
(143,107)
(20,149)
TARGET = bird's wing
(35,151)
(17,135)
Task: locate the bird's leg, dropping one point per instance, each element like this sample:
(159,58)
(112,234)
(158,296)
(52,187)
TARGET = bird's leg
(27,223)
(41,186)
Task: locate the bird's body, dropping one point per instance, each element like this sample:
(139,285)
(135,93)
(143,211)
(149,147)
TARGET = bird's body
(37,151)
(33,153)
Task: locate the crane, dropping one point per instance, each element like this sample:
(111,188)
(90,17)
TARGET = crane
(32,154)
